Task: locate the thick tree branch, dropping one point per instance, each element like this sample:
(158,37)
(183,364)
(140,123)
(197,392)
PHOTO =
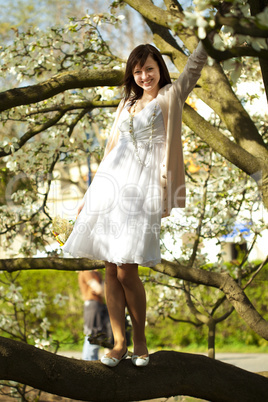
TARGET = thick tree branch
(64,264)
(247,28)
(160,21)
(169,373)
(257,6)
(84,78)
(153,13)
(235,51)
(220,143)
(252,164)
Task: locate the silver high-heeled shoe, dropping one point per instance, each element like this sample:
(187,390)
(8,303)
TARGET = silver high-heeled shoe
(113,361)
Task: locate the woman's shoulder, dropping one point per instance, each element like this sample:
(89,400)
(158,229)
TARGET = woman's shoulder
(124,104)
(165,91)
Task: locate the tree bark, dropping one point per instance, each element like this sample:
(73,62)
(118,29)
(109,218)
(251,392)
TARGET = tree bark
(84,78)
(220,143)
(169,373)
(59,264)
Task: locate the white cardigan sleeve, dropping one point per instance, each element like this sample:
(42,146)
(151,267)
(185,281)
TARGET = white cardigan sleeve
(191,72)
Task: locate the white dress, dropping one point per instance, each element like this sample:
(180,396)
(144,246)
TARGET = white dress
(121,218)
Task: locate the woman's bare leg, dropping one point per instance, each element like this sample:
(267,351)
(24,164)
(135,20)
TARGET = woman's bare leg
(116,303)
(135,297)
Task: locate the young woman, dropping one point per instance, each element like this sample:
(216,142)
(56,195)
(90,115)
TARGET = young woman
(140,180)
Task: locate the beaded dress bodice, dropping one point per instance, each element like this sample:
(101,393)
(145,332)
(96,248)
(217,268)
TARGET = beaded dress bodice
(142,124)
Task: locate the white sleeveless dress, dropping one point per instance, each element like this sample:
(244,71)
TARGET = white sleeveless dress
(121,218)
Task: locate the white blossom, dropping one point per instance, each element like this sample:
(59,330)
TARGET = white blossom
(259,43)
(45,324)
(60,299)
(14,294)
(262,18)
(41,343)
(218,42)
(106,93)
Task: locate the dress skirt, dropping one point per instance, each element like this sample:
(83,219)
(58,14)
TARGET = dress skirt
(121,218)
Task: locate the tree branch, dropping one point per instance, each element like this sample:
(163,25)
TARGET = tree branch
(62,109)
(87,104)
(169,373)
(84,78)
(249,28)
(57,156)
(224,316)
(162,33)
(233,152)
(153,13)
(257,6)
(199,316)
(256,273)
(223,281)
(202,214)
(196,324)
(235,51)
(36,129)
(173,6)
(59,264)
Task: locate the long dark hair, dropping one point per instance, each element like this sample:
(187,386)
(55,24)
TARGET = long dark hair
(139,56)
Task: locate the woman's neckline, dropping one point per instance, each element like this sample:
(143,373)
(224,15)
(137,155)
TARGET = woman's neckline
(149,103)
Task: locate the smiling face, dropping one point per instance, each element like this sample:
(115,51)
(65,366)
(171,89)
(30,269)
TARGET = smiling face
(147,77)
(146,70)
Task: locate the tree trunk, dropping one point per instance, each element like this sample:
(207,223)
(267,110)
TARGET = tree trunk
(168,374)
